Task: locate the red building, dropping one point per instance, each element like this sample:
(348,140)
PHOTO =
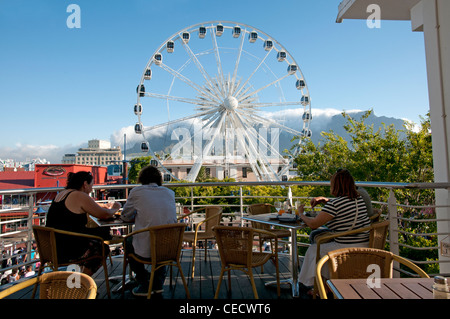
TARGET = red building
(44,176)
(51,175)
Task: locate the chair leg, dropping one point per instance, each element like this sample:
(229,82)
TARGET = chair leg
(277,269)
(171,270)
(260,250)
(110,258)
(193,259)
(219,283)
(105,270)
(188,295)
(250,274)
(123,274)
(41,267)
(150,285)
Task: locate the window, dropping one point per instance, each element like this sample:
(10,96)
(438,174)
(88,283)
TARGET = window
(244,172)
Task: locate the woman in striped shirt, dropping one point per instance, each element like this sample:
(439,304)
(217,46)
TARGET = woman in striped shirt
(345,212)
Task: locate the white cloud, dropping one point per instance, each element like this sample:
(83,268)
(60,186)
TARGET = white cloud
(24,152)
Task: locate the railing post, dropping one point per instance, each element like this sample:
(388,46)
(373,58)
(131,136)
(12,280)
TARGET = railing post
(241,206)
(30,224)
(393,227)
(192,198)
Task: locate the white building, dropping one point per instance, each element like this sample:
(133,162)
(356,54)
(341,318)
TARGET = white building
(98,152)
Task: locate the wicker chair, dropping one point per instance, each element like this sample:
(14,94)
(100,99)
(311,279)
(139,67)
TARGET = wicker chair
(377,239)
(236,253)
(377,236)
(113,241)
(165,248)
(258,209)
(213,216)
(47,247)
(53,285)
(352,263)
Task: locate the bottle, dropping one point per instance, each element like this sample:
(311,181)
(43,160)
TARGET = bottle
(440,288)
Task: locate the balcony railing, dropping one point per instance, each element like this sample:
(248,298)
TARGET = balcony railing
(17,232)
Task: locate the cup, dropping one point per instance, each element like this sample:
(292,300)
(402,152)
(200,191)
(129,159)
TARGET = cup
(111,201)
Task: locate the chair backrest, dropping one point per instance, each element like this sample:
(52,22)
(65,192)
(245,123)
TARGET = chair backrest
(378,234)
(67,285)
(211,221)
(46,245)
(58,285)
(235,244)
(258,209)
(353,262)
(166,242)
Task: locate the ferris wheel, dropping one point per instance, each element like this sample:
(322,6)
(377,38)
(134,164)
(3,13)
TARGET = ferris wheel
(223,92)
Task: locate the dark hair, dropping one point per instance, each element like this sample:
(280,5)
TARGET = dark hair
(150,174)
(76,180)
(343,184)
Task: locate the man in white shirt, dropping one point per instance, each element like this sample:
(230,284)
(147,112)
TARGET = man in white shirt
(148,205)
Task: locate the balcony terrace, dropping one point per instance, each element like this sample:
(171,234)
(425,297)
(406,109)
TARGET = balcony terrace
(206,275)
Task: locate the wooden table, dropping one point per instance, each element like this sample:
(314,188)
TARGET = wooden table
(270,219)
(390,288)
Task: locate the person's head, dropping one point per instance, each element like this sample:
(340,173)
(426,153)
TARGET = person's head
(343,184)
(150,174)
(82,181)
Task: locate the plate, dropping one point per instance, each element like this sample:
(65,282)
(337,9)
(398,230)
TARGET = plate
(273,216)
(287,218)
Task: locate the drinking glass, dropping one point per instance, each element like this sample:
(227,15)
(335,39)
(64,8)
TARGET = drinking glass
(111,201)
(277,205)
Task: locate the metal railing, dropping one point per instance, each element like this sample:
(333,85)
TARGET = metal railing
(238,199)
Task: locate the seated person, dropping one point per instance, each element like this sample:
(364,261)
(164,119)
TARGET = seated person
(68,212)
(345,212)
(150,204)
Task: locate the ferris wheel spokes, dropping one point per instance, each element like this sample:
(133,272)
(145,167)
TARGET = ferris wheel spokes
(217,56)
(251,75)
(195,86)
(194,116)
(238,58)
(240,97)
(199,159)
(252,150)
(201,68)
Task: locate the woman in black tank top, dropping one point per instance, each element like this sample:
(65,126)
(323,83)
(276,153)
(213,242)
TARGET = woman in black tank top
(68,212)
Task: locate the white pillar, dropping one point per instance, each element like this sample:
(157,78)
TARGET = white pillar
(431,17)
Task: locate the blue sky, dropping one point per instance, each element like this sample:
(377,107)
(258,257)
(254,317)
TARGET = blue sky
(60,87)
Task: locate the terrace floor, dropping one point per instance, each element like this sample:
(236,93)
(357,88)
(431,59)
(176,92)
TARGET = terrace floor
(204,284)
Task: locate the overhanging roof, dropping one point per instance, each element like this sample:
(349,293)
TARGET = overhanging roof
(389,9)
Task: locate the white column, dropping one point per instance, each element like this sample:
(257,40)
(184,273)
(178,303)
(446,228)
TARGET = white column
(431,17)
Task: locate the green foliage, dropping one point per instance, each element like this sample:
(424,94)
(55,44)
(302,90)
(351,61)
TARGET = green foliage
(136,164)
(382,155)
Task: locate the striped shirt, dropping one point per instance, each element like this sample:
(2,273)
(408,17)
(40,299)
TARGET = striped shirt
(343,210)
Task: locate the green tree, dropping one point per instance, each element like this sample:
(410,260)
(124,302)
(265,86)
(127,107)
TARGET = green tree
(382,155)
(136,164)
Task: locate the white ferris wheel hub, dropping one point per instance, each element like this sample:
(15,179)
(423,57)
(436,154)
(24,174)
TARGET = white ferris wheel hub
(230,103)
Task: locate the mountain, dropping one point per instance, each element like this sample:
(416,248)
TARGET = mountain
(322,120)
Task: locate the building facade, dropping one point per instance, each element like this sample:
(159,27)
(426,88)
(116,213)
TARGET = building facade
(98,152)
